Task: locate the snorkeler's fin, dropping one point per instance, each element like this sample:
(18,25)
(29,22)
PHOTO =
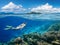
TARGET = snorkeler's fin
(8,27)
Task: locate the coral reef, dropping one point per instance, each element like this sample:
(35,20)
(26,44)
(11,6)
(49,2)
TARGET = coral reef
(51,37)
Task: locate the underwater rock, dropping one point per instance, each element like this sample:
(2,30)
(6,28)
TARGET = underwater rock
(57,42)
(16,41)
(51,37)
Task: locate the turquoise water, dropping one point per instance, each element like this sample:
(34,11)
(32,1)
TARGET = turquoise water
(34,23)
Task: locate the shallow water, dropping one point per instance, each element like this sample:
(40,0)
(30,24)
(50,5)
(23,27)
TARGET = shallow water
(55,16)
(34,23)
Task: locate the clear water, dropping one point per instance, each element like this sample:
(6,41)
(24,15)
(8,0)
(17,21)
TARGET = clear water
(34,23)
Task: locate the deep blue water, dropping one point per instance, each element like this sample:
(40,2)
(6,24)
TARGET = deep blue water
(40,26)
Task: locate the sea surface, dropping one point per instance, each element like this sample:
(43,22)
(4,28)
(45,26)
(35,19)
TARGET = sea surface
(34,23)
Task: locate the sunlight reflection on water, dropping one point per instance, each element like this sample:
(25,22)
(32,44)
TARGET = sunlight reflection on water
(37,16)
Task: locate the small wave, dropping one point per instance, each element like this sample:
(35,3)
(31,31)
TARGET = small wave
(37,16)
